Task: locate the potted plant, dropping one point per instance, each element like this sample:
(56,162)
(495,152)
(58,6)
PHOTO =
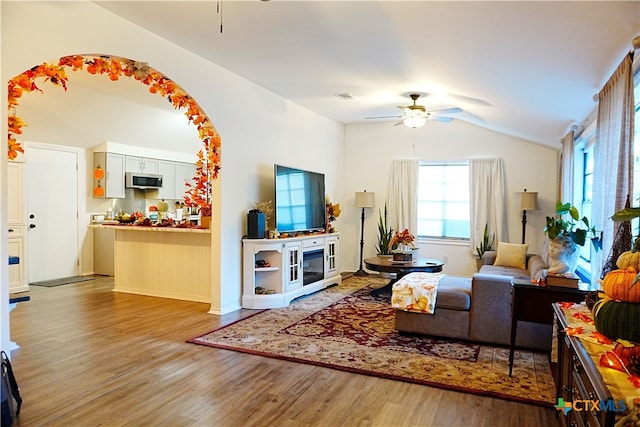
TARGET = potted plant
(385,233)
(485,245)
(566,230)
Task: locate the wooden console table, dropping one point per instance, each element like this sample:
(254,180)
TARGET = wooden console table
(532,303)
(581,380)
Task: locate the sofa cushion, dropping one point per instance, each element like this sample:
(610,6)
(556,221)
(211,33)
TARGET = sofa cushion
(512,255)
(504,271)
(454,293)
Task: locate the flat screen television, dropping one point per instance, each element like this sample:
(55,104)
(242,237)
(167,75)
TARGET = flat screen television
(299,200)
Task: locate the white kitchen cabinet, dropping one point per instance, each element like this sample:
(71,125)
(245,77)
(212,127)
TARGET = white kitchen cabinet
(184,173)
(111,178)
(140,164)
(168,171)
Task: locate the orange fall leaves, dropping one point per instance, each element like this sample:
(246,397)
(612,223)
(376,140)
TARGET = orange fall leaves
(208,164)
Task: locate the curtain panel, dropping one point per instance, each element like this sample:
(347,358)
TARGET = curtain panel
(488,200)
(613,172)
(403,195)
(567,158)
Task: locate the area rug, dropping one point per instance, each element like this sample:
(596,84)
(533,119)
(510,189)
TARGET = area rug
(346,328)
(62,281)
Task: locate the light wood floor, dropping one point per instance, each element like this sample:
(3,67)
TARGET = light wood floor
(90,357)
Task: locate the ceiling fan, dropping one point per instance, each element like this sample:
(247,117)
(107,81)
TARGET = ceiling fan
(414,116)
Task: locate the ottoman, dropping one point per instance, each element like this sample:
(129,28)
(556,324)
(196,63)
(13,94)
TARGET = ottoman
(451,316)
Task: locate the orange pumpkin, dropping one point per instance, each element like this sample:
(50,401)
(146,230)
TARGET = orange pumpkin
(98,173)
(620,286)
(98,192)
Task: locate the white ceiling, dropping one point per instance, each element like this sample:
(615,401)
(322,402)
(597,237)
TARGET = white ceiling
(527,69)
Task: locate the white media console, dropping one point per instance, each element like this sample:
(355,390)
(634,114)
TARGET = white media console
(275,271)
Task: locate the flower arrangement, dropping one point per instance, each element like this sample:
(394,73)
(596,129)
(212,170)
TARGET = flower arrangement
(405,238)
(208,165)
(332,213)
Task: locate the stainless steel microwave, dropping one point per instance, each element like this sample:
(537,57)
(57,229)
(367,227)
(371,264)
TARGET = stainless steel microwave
(144,181)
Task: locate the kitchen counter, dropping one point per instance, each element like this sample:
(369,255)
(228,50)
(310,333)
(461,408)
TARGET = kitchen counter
(131,227)
(168,262)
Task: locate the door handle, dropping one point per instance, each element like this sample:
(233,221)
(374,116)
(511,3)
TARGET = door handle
(32,226)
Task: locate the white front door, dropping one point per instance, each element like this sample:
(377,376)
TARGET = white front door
(52,213)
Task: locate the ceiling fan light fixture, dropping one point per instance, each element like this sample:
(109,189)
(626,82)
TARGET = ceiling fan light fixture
(414,122)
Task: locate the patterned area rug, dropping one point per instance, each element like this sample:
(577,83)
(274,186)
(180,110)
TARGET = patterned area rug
(346,328)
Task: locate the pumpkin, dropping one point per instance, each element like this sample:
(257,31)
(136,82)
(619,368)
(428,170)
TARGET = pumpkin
(98,191)
(98,173)
(629,259)
(616,319)
(620,285)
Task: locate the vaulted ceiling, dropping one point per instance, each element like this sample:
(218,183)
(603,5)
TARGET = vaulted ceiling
(529,69)
(525,68)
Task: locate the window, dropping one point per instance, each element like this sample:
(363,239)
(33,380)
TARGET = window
(584,193)
(443,200)
(635,200)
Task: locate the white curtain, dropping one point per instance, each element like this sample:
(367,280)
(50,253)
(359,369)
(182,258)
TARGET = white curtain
(613,169)
(403,195)
(566,169)
(488,200)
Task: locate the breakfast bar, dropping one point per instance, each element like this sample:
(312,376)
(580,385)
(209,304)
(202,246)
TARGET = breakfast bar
(168,262)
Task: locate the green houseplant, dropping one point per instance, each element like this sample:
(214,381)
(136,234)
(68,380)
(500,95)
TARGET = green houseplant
(487,243)
(385,234)
(567,223)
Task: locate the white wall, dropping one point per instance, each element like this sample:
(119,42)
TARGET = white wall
(370,148)
(255,134)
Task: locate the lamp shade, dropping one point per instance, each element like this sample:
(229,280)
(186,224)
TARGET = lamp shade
(529,201)
(365,200)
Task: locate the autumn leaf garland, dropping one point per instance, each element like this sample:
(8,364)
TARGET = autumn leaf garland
(208,164)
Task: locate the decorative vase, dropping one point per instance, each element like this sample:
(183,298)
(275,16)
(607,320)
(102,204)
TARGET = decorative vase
(404,252)
(563,255)
(205,221)
(402,256)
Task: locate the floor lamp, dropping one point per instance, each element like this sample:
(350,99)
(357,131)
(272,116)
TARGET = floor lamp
(363,200)
(528,202)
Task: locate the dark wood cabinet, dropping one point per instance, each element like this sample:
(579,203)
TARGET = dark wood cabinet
(580,382)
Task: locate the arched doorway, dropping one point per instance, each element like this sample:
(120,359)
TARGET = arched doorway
(117,68)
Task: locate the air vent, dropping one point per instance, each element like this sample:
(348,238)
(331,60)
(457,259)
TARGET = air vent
(344,96)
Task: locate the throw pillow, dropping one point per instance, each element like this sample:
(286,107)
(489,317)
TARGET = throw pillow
(512,255)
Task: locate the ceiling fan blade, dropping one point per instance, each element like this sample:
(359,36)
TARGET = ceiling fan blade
(401,122)
(462,98)
(440,119)
(446,111)
(383,117)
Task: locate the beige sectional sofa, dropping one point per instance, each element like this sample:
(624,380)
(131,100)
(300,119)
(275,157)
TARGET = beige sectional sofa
(479,308)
